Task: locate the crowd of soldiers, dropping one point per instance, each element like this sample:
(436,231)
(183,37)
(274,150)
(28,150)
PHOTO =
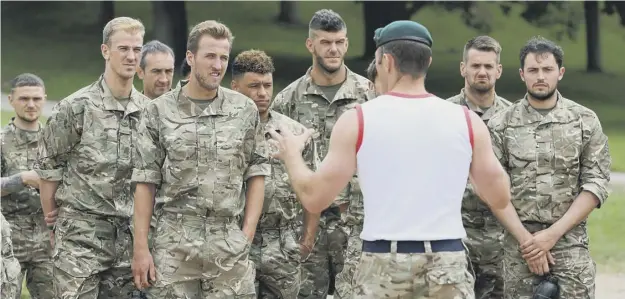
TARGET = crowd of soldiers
(173,193)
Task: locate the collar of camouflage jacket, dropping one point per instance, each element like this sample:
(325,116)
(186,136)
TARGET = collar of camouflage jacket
(350,88)
(112,104)
(23,136)
(556,115)
(485,115)
(188,109)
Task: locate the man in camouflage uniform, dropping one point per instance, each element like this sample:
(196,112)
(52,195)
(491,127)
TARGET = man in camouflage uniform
(156,69)
(10,283)
(86,151)
(20,184)
(275,249)
(202,146)
(480,69)
(316,100)
(559,164)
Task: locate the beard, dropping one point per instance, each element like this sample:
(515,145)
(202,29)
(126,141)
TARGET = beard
(542,96)
(27,119)
(481,88)
(203,81)
(327,69)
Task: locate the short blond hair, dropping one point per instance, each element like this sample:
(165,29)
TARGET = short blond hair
(121,24)
(212,28)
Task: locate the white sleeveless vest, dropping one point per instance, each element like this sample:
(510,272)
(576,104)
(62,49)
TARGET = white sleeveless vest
(413,158)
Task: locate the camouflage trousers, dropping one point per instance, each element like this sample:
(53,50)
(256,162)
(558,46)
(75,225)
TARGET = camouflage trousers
(92,256)
(428,275)
(276,254)
(485,251)
(9,265)
(325,260)
(352,256)
(201,257)
(31,247)
(574,268)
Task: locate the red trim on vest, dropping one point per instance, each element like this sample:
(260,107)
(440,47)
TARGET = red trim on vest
(410,96)
(469,124)
(361,126)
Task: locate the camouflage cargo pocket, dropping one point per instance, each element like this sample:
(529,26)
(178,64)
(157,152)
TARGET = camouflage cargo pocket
(450,282)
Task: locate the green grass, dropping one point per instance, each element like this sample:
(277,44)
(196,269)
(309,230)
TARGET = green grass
(607,245)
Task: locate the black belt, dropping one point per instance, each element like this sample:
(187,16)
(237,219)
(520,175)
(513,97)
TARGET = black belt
(383,246)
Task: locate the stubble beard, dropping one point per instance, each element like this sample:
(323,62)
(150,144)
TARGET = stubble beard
(542,96)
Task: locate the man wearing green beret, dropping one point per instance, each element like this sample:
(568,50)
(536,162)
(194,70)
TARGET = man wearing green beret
(413,153)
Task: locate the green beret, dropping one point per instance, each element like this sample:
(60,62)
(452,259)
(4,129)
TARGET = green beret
(402,30)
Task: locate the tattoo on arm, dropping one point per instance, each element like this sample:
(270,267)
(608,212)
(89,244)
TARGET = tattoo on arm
(12,184)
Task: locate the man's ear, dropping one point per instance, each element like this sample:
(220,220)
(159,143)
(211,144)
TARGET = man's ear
(140,73)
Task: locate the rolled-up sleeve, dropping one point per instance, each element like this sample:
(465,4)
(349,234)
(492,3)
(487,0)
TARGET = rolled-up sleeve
(58,139)
(595,159)
(149,152)
(258,152)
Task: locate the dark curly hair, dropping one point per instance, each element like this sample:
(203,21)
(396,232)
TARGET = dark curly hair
(540,45)
(252,61)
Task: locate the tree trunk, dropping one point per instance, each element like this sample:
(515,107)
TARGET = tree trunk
(288,13)
(593,53)
(170,26)
(107,13)
(379,14)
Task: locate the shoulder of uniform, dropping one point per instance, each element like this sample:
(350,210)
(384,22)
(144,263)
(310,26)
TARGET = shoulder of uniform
(236,97)
(164,101)
(456,99)
(5,130)
(77,100)
(578,109)
(139,97)
(502,118)
(290,123)
(238,100)
(504,101)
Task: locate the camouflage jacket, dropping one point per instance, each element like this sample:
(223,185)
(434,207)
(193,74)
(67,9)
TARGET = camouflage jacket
(474,210)
(281,204)
(200,159)
(551,158)
(9,265)
(18,154)
(88,143)
(304,102)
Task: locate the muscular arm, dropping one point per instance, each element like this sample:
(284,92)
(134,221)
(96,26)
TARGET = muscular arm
(255,196)
(491,182)
(317,190)
(11,184)
(595,175)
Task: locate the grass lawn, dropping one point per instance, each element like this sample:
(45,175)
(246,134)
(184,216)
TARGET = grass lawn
(607,245)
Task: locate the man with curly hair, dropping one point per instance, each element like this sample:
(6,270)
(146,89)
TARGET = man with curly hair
(275,249)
